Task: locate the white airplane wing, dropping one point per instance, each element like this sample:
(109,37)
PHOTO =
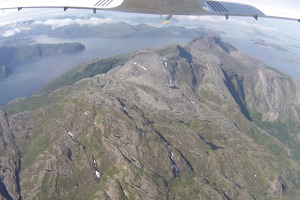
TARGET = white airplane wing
(226,8)
(254,8)
(85,4)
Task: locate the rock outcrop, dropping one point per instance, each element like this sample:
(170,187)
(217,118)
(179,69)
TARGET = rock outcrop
(171,123)
(277,186)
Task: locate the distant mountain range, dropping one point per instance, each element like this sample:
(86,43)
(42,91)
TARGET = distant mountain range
(79,28)
(122,29)
(16,39)
(194,121)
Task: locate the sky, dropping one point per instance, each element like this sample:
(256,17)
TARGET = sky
(284,8)
(284,32)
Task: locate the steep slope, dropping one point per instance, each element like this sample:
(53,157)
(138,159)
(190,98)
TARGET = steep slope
(172,123)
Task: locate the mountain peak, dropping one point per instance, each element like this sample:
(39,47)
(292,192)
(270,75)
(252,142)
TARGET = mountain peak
(162,124)
(211,42)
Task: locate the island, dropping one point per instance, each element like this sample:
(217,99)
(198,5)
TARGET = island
(269,45)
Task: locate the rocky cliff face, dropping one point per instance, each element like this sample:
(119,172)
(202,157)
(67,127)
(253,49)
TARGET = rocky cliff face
(172,123)
(30,52)
(275,97)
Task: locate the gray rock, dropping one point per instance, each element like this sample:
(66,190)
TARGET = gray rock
(277,186)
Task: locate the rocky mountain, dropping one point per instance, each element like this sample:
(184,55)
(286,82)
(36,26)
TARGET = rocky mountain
(10,56)
(197,121)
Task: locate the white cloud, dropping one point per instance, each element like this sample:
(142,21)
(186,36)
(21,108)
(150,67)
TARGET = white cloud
(222,24)
(11,32)
(260,27)
(56,23)
(14,31)
(270,7)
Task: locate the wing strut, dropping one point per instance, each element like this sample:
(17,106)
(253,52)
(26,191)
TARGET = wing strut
(167,20)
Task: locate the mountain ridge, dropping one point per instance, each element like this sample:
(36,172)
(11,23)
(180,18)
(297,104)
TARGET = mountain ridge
(157,124)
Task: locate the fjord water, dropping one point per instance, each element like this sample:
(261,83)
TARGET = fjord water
(270,57)
(31,76)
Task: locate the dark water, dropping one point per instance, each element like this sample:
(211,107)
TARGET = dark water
(4,192)
(30,76)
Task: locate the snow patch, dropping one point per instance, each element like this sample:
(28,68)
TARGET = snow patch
(141,66)
(165,63)
(98,174)
(86,114)
(172,156)
(71,135)
(125,192)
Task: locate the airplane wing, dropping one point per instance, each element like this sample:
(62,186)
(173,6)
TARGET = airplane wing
(239,8)
(65,4)
(164,7)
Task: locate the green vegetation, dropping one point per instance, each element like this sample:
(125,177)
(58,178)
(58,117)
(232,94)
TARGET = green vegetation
(86,70)
(150,141)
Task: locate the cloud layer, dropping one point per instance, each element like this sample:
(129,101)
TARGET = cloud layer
(56,23)
(15,28)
